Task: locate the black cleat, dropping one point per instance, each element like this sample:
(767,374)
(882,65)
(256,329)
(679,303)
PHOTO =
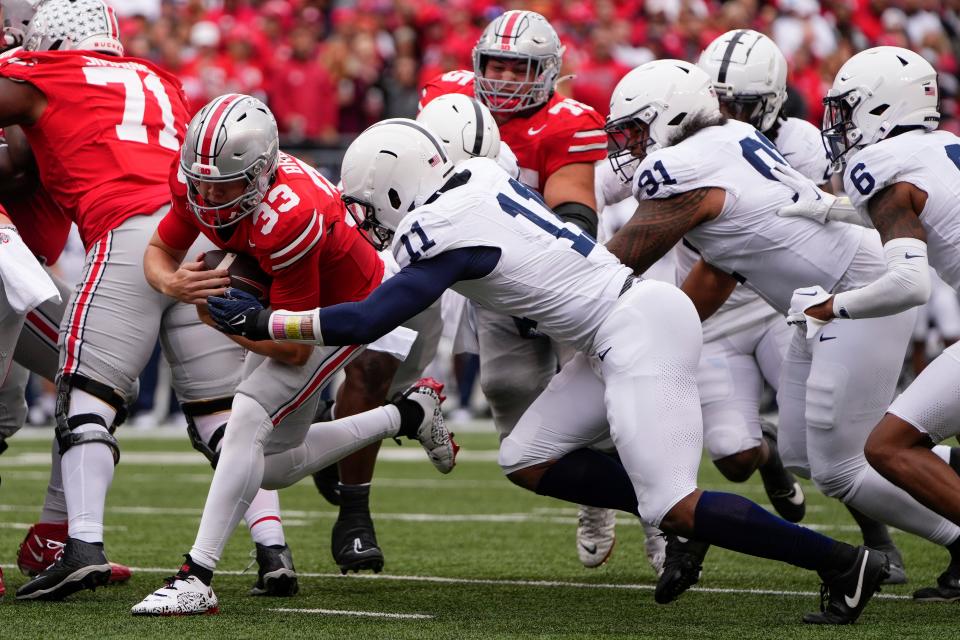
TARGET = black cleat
(275,576)
(681,568)
(781,486)
(327,482)
(354,544)
(844,596)
(898,572)
(947,590)
(83,565)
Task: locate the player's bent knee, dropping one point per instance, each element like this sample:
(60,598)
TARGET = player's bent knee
(739,466)
(96,429)
(208,445)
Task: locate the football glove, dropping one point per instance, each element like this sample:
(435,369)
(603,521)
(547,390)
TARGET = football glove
(239,313)
(814,203)
(804,298)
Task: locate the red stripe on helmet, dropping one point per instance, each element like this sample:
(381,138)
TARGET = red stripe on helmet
(214,122)
(509,27)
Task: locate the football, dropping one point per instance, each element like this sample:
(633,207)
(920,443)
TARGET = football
(245,273)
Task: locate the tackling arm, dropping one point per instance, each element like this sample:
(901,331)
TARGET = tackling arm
(659,224)
(708,287)
(569,191)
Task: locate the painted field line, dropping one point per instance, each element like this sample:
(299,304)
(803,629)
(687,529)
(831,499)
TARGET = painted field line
(547,584)
(359,614)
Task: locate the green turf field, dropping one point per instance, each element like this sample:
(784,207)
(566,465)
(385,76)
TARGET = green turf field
(467,555)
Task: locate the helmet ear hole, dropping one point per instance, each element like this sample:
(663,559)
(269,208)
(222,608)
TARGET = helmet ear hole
(394,198)
(878,110)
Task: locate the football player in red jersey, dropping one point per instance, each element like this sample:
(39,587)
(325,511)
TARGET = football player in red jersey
(234,185)
(103,161)
(557,141)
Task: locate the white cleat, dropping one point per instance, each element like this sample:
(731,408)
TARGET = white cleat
(432,433)
(656,547)
(180,597)
(596,535)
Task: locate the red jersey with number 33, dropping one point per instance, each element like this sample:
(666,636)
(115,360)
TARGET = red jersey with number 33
(298,235)
(106,138)
(561,132)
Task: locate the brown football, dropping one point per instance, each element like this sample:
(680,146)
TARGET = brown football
(245,273)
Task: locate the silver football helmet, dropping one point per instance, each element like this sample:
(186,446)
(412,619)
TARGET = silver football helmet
(83,25)
(518,35)
(465,126)
(390,169)
(749,74)
(876,91)
(233,137)
(16,17)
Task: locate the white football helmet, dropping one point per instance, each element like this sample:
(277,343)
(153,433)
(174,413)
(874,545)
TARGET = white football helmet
(389,170)
(83,25)
(874,92)
(749,74)
(466,127)
(16,16)
(518,35)
(649,106)
(233,137)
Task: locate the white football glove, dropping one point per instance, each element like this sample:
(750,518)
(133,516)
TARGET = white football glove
(812,201)
(804,298)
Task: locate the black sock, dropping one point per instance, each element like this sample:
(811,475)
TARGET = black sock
(875,534)
(354,498)
(955,459)
(733,522)
(592,478)
(954,549)
(191,568)
(411,417)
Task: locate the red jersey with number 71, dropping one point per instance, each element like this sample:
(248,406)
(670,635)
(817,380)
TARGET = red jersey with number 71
(107,136)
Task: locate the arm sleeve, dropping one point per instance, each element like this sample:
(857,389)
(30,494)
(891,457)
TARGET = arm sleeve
(403,296)
(906,284)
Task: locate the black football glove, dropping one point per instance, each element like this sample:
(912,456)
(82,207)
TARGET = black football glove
(239,313)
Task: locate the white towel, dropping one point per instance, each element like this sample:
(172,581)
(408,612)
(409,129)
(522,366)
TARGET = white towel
(25,283)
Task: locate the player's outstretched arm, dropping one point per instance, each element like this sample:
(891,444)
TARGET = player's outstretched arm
(708,287)
(661,223)
(569,191)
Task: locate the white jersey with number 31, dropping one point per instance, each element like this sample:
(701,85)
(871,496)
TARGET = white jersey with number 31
(549,271)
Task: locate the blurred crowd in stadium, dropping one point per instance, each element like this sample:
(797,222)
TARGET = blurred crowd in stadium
(371,56)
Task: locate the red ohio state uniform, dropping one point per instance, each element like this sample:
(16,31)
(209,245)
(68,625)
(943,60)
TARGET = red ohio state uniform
(298,235)
(42,224)
(106,161)
(561,132)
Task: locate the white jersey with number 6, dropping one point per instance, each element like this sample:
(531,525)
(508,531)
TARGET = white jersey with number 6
(549,271)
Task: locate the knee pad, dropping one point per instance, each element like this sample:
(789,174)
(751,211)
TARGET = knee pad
(210,448)
(66,438)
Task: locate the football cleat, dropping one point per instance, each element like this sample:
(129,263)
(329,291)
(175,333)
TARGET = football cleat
(43,546)
(843,596)
(682,567)
(596,535)
(897,570)
(354,544)
(82,565)
(655,547)
(432,433)
(781,486)
(947,590)
(182,595)
(275,575)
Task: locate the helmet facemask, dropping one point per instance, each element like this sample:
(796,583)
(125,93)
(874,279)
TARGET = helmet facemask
(227,214)
(512,96)
(839,132)
(751,109)
(629,141)
(364,215)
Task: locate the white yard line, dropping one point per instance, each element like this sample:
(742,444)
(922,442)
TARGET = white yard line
(361,614)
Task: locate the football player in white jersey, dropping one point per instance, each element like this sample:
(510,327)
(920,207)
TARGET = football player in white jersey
(903,177)
(476,230)
(712,181)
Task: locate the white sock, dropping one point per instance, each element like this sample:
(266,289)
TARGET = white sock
(87,471)
(328,442)
(942,451)
(263,519)
(54,502)
(236,479)
(880,499)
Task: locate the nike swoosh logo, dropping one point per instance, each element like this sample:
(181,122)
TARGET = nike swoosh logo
(589,548)
(855,600)
(36,556)
(796,498)
(603,355)
(250,243)
(532,132)
(910,257)
(358,547)
(804,293)
(825,338)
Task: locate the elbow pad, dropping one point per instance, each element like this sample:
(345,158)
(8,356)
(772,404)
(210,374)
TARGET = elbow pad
(842,210)
(906,284)
(579,214)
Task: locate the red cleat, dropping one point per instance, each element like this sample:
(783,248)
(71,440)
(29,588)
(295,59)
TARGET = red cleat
(43,545)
